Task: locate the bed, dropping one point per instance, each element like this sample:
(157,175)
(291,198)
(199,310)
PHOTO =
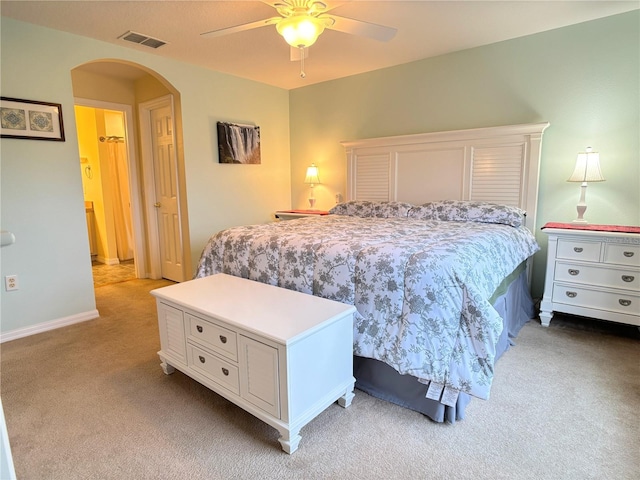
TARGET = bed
(433,246)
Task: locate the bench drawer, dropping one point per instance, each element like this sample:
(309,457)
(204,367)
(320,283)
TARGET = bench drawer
(213,336)
(215,368)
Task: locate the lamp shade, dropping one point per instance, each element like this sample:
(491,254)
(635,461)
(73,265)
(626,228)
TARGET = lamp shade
(300,30)
(312,175)
(587,168)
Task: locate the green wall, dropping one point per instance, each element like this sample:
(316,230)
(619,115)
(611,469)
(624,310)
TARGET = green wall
(583,79)
(41,189)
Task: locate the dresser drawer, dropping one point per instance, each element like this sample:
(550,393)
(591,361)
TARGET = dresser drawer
(622,254)
(215,368)
(606,276)
(577,250)
(213,336)
(620,302)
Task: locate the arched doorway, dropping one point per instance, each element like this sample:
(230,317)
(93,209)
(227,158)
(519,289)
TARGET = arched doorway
(120,88)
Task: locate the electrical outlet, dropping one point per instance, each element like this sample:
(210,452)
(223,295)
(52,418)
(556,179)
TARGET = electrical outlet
(11,282)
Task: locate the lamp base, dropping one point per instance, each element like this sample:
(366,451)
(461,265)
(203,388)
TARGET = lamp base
(312,203)
(581,207)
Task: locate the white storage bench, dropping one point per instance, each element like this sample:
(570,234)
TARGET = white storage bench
(282,356)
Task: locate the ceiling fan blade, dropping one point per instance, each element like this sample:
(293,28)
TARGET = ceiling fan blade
(242,28)
(358,27)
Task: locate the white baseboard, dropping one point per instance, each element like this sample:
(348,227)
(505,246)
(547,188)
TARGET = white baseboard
(108,261)
(46,326)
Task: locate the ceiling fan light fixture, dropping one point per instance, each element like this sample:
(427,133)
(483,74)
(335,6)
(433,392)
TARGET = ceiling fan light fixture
(300,30)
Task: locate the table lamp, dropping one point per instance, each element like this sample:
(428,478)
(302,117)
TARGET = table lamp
(587,170)
(312,179)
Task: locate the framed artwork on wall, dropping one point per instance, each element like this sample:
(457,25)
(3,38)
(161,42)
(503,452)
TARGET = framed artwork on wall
(238,143)
(30,119)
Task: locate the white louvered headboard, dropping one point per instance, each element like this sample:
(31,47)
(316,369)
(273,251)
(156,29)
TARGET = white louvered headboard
(494,164)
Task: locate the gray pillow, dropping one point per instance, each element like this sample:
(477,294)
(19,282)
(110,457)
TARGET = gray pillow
(365,208)
(469,211)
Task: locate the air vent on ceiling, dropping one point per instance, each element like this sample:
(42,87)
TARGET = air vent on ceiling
(142,39)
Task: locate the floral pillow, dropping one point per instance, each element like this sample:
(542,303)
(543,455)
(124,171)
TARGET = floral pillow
(364,208)
(469,211)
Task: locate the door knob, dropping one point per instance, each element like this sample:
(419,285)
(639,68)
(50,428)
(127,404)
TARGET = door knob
(157,204)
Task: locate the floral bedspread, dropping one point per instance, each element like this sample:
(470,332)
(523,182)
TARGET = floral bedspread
(421,287)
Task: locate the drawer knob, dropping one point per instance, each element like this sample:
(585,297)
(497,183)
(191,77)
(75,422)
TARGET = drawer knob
(628,254)
(572,294)
(202,359)
(578,249)
(624,303)
(225,371)
(199,328)
(628,278)
(223,339)
(573,272)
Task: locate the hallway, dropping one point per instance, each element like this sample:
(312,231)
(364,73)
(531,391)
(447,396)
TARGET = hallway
(109,274)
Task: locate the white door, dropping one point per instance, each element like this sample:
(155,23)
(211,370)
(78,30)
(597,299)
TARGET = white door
(166,192)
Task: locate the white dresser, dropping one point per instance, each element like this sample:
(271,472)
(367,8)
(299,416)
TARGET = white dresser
(592,271)
(281,355)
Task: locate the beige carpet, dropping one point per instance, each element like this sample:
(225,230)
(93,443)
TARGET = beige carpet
(90,401)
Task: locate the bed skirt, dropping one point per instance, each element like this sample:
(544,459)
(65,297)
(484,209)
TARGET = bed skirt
(380,380)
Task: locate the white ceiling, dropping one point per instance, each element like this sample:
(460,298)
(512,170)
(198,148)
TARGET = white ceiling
(425,29)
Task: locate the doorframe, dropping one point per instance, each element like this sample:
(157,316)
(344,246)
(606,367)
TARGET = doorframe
(146,148)
(139,250)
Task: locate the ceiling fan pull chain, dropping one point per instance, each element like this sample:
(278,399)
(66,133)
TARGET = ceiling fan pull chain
(302,74)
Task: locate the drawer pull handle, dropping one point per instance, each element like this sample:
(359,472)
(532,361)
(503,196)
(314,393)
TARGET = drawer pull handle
(573,272)
(624,303)
(578,249)
(199,328)
(628,278)
(223,339)
(572,294)
(225,371)
(202,359)
(628,254)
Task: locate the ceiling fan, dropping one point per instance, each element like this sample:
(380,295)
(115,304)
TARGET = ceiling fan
(302,21)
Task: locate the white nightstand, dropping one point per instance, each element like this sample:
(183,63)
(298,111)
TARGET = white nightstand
(592,271)
(292,214)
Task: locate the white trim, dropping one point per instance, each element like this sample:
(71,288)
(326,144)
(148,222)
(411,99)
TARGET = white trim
(108,261)
(146,149)
(139,250)
(46,326)
(450,136)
